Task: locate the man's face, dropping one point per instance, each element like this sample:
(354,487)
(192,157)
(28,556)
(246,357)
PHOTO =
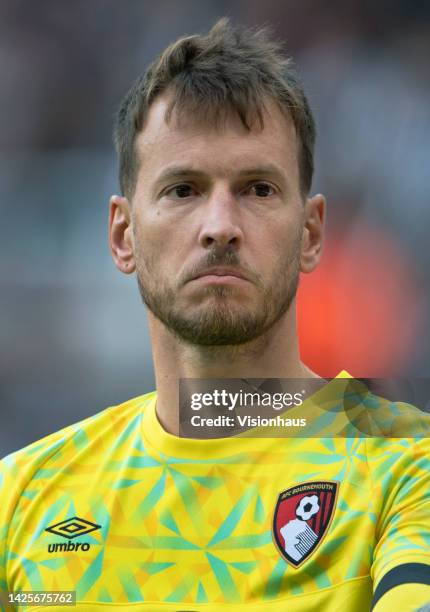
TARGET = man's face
(210,204)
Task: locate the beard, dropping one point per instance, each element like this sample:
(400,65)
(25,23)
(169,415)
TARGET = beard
(219,320)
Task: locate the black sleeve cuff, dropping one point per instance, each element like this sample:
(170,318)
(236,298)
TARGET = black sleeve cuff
(415,573)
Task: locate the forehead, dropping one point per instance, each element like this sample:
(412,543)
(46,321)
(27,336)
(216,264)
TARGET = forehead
(224,150)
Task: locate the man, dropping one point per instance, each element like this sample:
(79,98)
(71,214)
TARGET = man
(215,145)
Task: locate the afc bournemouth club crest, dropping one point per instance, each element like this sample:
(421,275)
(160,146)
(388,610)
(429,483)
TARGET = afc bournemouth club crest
(302,517)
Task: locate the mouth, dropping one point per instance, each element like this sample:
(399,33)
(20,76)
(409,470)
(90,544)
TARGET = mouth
(220,275)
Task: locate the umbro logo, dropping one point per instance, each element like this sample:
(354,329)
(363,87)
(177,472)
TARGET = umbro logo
(70,529)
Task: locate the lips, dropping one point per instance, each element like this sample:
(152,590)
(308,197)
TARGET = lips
(221,272)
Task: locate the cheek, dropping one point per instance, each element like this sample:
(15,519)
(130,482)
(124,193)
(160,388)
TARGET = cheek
(145,245)
(275,241)
(160,244)
(149,227)
(282,251)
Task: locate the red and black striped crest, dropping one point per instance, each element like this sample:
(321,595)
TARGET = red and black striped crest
(302,517)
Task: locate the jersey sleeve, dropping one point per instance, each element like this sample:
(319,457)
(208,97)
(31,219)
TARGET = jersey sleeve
(2,533)
(17,471)
(412,597)
(7,500)
(401,564)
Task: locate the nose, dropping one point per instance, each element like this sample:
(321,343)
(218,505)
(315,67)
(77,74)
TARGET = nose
(221,223)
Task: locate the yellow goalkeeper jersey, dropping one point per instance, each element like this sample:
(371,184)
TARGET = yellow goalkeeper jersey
(133,518)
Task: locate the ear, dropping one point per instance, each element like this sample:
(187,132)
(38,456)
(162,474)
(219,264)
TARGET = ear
(121,234)
(313,233)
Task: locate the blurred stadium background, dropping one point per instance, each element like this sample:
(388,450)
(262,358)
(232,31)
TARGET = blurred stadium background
(73,335)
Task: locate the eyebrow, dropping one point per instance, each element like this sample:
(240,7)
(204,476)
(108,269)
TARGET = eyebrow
(178,172)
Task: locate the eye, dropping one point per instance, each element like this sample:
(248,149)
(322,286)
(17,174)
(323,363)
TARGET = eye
(181,191)
(261,190)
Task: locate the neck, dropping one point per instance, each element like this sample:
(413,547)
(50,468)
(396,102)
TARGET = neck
(275,354)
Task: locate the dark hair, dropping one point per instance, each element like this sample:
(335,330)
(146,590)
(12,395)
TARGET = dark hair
(228,69)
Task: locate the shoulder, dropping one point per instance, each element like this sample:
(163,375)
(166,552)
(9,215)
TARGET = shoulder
(380,417)
(400,472)
(36,459)
(400,431)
